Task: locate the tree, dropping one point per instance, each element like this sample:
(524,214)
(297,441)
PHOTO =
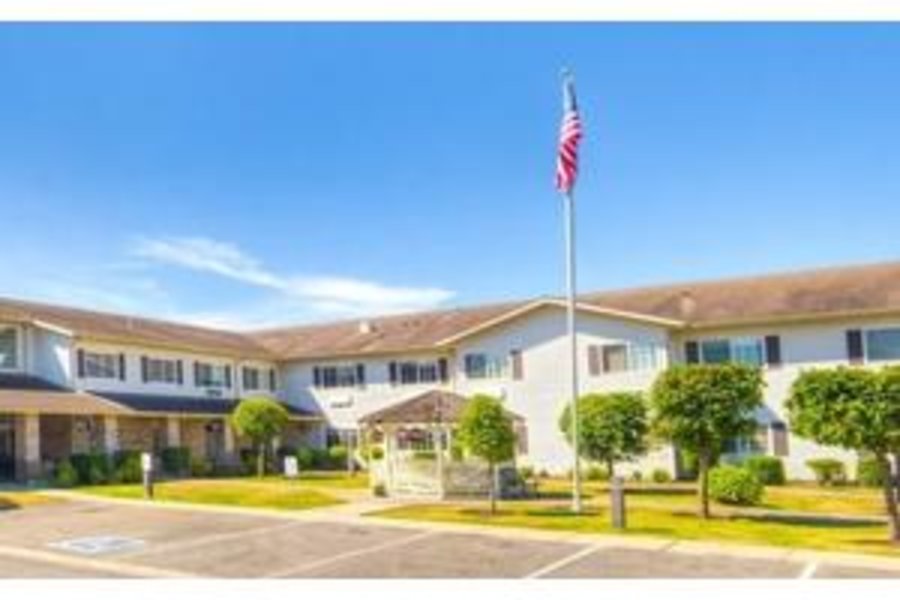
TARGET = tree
(853,408)
(700,408)
(262,420)
(486,431)
(612,427)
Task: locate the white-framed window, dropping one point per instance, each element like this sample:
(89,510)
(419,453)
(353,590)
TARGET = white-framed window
(9,348)
(484,366)
(339,376)
(101,365)
(250,378)
(162,370)
(214,376)
(622,357)
(746,350)
(882,344)
(412,372)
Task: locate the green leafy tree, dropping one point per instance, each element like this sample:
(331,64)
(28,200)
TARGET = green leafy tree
(853,408)
(486,431)
(612,427)
(262,420)
(700,408)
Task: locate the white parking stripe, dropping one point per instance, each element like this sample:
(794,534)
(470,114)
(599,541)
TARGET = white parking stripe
(554,566)
(350,554)
(215,538)
(808,571)
(103,566)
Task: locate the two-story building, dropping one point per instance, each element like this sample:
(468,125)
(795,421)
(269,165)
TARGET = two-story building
(72,379)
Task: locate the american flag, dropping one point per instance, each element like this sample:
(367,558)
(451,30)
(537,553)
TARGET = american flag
(569,138)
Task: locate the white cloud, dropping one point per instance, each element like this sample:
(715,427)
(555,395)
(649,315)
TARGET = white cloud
(326,295)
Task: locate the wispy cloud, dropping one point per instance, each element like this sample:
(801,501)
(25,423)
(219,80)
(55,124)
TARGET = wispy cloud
(326,295)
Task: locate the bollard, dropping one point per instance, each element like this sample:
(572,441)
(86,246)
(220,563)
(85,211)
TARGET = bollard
(617,502)
(147,469)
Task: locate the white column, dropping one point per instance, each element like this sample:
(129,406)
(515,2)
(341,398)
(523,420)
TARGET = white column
(110,433)
(173,432)
(30,446)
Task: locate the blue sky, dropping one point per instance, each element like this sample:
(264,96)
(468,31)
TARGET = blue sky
(250,175)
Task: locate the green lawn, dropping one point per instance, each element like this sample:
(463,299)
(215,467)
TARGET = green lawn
(249,492)
(848,501)
(676,524)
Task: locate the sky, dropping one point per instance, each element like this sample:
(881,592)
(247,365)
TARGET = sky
(257,175)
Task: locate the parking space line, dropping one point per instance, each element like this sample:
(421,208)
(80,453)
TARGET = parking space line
(103,566)
(556,565)
(350,554)
(808,571)
(214,538)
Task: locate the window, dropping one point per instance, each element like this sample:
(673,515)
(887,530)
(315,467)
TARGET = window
(339,376)
(250,377)
(416,372)
(715,351)
(207,375)
(9,348)
(483,366)
(101,366)
(615,358)
(618,358)
(642,357)
(883,344)
(162,370)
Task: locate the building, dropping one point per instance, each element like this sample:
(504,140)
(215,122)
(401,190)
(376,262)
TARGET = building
(72,380)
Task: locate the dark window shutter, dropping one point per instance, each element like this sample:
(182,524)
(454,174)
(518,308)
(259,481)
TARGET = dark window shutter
(144,369)
(272,383)
(593,360)
(691,352)
(773,350)
(392,372)
(443,370)
(228,376)
(517,367)
(80,362)
(179,371)
(854,346)
(245,376)
(317,377)
(360,374)
(779,439)
(122,367)
(196,374)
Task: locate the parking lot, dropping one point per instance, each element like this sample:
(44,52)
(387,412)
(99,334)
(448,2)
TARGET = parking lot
(94,539)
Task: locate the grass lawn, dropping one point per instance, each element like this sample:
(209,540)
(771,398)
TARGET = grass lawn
(819,535)
(13,500)
(847,501)
(249,492)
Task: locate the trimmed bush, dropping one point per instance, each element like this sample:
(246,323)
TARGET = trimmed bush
(92,469)
(305,458)
(637,476)
(660,476)
(376,453)
(596,473)
(526,472)
(126,467)
(337,457)
(828,471)
(735,485)
(66,476)
(869,473)
(176,460)
(202,468)
(768,469)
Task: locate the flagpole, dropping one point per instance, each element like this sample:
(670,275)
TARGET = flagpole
(569,210)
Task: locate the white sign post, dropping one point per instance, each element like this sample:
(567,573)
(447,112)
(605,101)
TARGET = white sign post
(147,469)
(291,468)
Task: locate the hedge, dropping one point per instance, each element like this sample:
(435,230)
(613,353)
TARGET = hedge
(735,485)
(769,469)
(828,471)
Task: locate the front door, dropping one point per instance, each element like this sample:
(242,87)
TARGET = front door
(7,449)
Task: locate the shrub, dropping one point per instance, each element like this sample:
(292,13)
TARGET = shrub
(176,460)
(637,476)
(526,472)
(869,473)
(596,473)
(92,469)
(376,453)
(66,475)
(425,455)
(660,476)
(828,471)
(735,485)
(337,457)
(202,468)
(305,458)
(768,469)
(379,490)
(127,467)
(457,452)
(320,458)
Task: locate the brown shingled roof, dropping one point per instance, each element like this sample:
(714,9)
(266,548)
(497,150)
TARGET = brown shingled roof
(137,330)
(803,294)
(433,406)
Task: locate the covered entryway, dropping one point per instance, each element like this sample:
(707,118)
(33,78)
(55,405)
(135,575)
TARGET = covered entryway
(7,449)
